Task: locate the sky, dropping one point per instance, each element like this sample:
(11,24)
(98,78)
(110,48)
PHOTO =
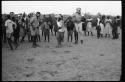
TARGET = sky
(63,7)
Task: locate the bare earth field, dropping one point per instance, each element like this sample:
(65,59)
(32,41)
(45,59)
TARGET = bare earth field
(94,60)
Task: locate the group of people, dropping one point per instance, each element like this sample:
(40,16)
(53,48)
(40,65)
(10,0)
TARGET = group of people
(34,25)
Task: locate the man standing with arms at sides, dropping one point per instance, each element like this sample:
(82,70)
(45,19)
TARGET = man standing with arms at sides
(70,27)
(78,25)
(34,22)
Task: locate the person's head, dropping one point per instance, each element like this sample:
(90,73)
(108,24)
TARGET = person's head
(8,16)
(117,17)
(70,18)
(13,18)
(22,20)
(108,17)
(78,10)
(103,16)
(11,13)
(59,19)
(61,16)
(37,14)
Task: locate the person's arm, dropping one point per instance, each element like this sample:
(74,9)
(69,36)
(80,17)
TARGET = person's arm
(6,24)
(14,24)
(31,21)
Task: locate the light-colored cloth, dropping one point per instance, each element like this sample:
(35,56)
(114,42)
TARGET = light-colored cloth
(9,30)
(89,27)
(98,20)
(78,27)
(78,24)
(108,28)
(46,25)
(102,29)
(33,31)
(34,25)
(34,21)
(61,24)
(77,18)
(9,24)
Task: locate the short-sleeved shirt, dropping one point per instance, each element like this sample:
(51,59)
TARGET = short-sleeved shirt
(77,17)
(61,26)
(9,24)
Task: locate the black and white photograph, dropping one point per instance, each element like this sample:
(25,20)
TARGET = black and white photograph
(61,40)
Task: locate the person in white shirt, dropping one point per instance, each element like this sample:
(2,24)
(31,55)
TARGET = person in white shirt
(89,26)
(102,26)
(78,25)
(9,24)
(108,28)
(60,32)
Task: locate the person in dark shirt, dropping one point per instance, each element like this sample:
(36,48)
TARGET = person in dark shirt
(23,30)
(114,29)
(84,24)
(4,18)
(118,20)
(70,27)
(16,32)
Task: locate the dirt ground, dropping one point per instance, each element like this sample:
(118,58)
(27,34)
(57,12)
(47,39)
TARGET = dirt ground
(94,60)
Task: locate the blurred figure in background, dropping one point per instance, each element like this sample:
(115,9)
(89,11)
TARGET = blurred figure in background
(78,32)
(102,25)
(3,30)
(34,22)
(38,28)
(114,29)
(94,25)
(15,32)
(10,25)
(108,28)
(98,28)
(89,26)
(22,30)
(46,31)
(118,20)
(70,26)
(60,31)
(84,24)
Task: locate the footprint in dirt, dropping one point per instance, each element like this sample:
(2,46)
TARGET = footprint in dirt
(101,54)
(30,60)
(66,52)
(29,74)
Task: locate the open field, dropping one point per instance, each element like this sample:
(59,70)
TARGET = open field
(94,60)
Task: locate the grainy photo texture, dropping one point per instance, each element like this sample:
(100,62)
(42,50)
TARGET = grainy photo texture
(61,40)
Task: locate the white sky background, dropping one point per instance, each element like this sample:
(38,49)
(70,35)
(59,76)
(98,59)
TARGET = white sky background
(63,7)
